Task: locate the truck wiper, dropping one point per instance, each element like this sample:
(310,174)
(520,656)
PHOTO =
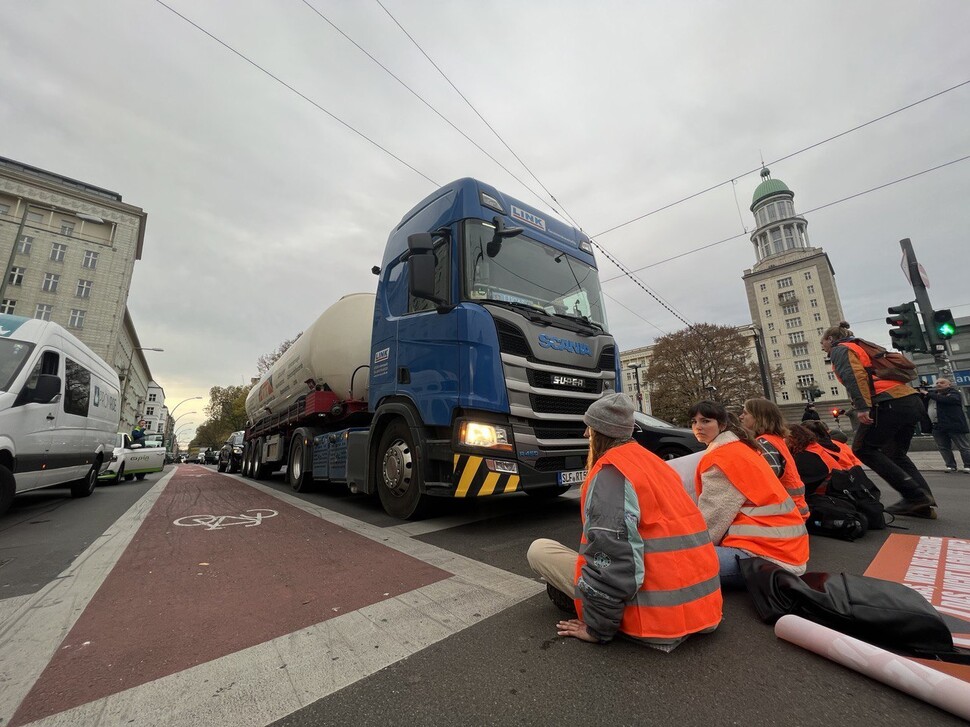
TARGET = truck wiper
(581,318)
(534,313)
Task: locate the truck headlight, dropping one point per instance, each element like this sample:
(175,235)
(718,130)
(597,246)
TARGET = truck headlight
(237,450)
(483,434)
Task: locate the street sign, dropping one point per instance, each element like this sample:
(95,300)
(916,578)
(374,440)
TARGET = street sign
(962,378)
(904,264)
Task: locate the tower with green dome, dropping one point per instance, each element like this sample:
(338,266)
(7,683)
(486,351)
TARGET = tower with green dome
(793,299)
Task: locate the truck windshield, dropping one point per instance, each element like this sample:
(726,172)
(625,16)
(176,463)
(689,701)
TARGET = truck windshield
(523,271)
(12,357)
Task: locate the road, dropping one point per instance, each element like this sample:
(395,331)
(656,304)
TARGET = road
(201,598)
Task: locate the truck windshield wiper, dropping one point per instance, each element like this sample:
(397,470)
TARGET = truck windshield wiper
(581,318)
(533,312)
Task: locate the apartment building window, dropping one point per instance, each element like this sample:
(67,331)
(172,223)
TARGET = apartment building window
(159,430)
(808,275)
(801,350)
(67,228)
(831,376)
(764,301)
(4,209)
(16,276)
(152,397)
(150,411)
(763,286)
(811,289)
(784,396)
(817,316)
(776,353)
(771,326)
(834,390)
(818,331)
(806,380)
(813,302)
(789,309)
(50,282)
(796,337)
(793,322)
(774,339)
(35,218)
(767,313)
(90,260)
(57,252)
(803,365)
(84,288)
(787,295)
(785,282)
(43,311)
(24,243)
(76,319)
(7,306)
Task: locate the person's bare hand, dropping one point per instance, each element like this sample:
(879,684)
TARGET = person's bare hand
(575,628)
(864,417)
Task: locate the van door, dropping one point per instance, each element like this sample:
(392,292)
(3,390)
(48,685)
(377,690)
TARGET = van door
(38,421)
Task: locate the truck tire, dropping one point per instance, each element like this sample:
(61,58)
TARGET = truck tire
(399,475)
(260,468)
(221,467)
(84,487)
(247,461)
(8,488)
(299,475)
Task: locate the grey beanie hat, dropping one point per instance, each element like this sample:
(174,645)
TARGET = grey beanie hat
(611,415)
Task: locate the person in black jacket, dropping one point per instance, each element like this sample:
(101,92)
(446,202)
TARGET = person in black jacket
(810,414)
(949,424)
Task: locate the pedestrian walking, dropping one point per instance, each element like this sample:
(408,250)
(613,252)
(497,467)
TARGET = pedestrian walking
(646,567)
(887,412)
(810,414)
(949,423)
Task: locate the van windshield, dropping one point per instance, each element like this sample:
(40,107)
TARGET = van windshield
(12,357)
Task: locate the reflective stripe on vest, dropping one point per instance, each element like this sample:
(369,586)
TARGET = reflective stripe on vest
(778,532)
(680,590)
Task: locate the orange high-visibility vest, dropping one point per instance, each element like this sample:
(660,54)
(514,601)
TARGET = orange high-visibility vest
(847,455)
(767,523)
(681,591)
(789,479)
(878,385)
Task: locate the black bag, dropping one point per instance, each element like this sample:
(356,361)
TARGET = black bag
(833,517)
(884,613)
(855,487)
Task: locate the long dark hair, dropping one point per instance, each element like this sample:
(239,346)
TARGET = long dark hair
(730,422)
(799,437)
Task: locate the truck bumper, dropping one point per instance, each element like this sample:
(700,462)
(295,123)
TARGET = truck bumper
(481,476)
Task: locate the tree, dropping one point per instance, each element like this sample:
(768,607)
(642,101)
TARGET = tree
(225,414)
(264,362)
(705,361)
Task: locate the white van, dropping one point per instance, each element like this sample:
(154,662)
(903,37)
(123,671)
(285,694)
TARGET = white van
(59,409)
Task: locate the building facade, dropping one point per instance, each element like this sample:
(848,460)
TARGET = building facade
(793,299)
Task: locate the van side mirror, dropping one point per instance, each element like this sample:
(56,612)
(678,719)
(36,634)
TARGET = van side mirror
(48,386)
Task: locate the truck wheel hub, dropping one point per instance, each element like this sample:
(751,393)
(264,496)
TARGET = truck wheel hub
(397,467)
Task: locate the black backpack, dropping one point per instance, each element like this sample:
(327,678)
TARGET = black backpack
(833,517)
(855,487)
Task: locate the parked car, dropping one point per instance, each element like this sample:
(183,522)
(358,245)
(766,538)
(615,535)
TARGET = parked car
(663,438)
(58,409)
(230,456)
(131,461)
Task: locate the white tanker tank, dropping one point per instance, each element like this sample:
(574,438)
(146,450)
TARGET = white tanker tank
(329,352)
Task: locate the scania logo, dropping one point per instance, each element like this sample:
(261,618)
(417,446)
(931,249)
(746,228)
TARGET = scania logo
(564,344)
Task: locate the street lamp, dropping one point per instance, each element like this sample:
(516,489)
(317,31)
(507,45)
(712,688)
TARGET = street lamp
(191,398)
(636,377)
(131,358)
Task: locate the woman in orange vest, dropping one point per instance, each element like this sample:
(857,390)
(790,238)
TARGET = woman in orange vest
(747,509)
(841,450)
(646,567)
(764,421)
(815,461)
(888,412)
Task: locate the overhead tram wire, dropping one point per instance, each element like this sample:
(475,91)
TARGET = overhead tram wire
(807,212)
(297,92)
(564,212)
(426,103)
(783,158)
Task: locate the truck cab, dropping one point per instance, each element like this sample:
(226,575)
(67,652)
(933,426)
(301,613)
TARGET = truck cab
(489,343)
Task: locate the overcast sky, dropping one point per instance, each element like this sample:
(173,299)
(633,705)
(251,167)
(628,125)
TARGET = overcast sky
(263,210)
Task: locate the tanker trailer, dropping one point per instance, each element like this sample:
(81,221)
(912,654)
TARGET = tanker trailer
(319,382)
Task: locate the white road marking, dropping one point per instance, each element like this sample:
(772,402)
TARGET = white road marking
(218,522)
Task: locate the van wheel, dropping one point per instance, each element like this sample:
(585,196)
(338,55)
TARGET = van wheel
(399,473)
(140,476)
(84,488)
(299,475)
(8,488)
(121,474)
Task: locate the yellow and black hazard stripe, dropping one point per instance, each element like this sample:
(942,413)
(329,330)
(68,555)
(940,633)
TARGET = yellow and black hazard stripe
(476,480)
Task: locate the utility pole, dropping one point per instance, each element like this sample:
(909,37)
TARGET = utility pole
(636,377)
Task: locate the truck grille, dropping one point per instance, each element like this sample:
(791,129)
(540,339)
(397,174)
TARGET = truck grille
(555,405)
(544,380)
(607,360)
(511,339)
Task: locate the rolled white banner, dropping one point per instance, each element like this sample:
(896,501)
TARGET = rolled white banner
(906,675)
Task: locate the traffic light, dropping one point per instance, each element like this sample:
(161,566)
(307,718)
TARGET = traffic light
(908,334)
(944,324)
(837,412)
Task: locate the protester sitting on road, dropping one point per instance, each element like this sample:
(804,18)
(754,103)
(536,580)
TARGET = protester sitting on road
(138,433)
(949,423)
(646,567)
(887,412)
(747,509)
(815,461)
(826,440)
(763,420)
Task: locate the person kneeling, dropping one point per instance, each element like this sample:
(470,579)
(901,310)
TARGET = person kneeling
(646,567)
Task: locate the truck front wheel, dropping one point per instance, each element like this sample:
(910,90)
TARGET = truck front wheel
(399,472)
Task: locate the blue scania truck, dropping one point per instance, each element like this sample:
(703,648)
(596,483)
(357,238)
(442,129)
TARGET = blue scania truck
(486,343)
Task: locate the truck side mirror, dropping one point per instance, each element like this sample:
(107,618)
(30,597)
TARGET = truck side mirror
(421,277)
(47,387)
(420,243)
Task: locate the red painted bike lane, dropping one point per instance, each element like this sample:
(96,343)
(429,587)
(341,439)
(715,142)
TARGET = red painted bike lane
(217,566)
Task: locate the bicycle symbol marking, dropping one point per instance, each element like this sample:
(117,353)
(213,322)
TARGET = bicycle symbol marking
(218,522)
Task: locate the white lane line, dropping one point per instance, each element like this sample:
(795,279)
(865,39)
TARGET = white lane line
(29,636)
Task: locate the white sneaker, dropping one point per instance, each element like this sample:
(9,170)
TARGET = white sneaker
(967,470)
(948,470)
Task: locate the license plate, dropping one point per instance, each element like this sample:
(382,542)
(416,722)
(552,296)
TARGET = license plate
(575,477)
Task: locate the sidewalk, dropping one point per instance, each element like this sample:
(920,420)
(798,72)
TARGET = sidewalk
(215,596)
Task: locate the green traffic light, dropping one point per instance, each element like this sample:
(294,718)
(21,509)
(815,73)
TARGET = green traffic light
(947,330)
